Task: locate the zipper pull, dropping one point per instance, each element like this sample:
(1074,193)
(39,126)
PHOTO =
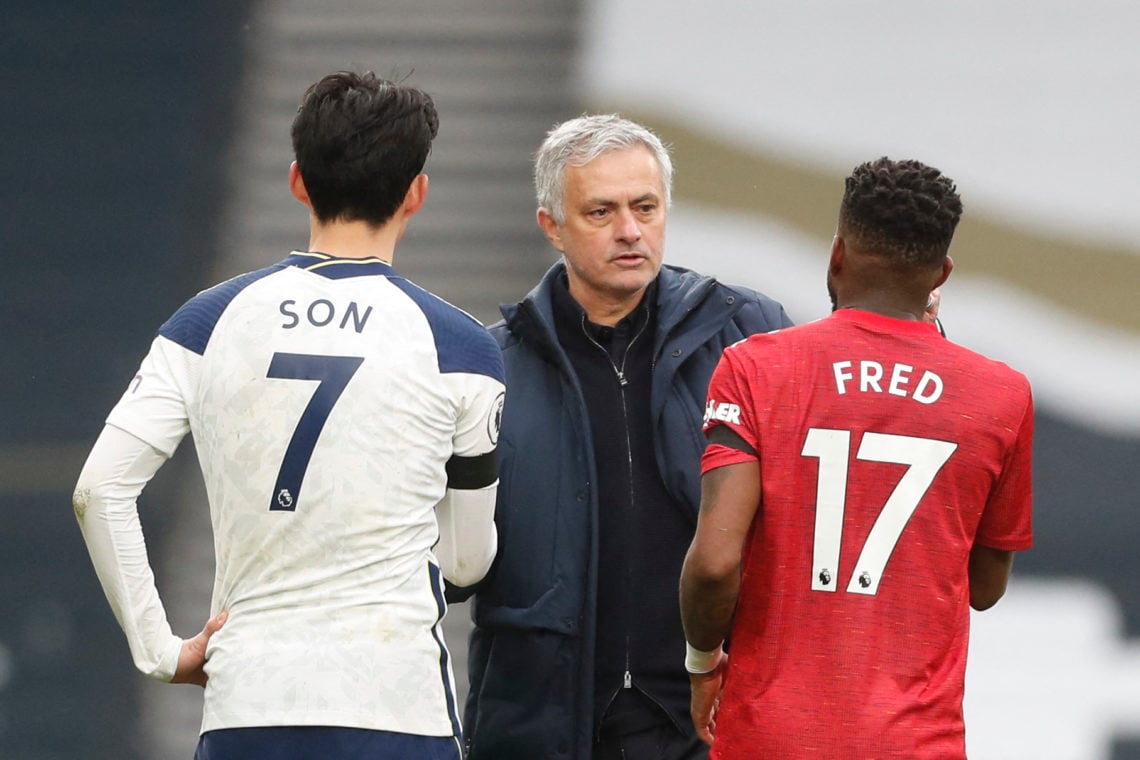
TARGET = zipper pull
(627,681)
(624,382)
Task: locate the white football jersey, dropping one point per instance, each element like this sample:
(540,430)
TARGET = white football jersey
(325,397)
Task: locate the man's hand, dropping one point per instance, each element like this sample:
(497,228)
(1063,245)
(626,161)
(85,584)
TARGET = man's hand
(192,659)
(706,689)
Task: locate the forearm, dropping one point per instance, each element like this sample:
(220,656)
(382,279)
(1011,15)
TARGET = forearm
(990,570)
(710,576)
(708,602)
(105,502)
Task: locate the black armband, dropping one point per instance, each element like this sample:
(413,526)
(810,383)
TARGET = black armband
(471,473)
(726,436)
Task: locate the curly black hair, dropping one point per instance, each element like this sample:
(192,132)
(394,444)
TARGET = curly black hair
(359,142)
(903,210)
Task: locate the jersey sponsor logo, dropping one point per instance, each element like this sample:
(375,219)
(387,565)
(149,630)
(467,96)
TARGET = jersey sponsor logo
(323,313)
(724,412)
(872,378)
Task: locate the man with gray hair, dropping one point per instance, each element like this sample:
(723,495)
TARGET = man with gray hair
(577,650)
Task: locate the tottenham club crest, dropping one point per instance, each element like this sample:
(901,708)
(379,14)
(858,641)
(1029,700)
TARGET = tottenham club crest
(495,422)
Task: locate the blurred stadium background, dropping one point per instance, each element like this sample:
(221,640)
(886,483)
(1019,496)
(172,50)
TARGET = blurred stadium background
(145,150)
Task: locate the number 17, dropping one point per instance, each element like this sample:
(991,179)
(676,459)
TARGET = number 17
(925,458)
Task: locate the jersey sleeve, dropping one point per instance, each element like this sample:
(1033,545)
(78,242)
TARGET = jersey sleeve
(478,416)
(468,540)
(730,404)
(154,407)
(1007,520)
(477,426)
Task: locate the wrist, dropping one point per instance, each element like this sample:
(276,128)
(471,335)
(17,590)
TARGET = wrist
(698,661)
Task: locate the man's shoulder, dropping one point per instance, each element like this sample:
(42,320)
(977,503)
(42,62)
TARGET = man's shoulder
(749,295)
(462,342)
(524,323)
(501,332)
(687,283)
(193,324)
(746,309)
(995,371)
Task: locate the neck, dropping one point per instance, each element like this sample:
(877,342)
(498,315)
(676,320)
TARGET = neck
(886,305)
(606,311)
(355,240)
(603,307)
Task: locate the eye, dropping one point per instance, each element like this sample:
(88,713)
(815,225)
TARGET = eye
(597,213)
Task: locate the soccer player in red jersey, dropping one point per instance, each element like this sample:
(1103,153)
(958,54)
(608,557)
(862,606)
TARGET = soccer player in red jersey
(866,482)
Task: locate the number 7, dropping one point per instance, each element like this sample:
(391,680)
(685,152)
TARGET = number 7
(333,372)
(925,458)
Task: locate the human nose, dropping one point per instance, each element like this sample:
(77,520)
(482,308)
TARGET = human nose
(628,230)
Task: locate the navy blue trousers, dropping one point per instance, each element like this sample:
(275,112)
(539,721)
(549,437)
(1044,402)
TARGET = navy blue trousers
(322,743)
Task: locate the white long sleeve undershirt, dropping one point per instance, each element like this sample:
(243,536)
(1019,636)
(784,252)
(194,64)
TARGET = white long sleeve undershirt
(105,502)
(467,537)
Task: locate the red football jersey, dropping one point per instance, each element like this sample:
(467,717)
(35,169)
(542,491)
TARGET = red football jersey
(886,452)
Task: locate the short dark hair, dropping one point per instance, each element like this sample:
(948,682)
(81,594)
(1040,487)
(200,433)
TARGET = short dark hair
(359,142)
(903,210)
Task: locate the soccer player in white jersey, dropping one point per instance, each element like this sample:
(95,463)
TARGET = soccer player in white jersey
(345,421)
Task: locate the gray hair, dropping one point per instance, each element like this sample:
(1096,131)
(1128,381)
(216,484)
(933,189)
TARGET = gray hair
(579,141)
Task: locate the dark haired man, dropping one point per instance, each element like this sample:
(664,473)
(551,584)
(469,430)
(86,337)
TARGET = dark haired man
(867,482)
(346,422)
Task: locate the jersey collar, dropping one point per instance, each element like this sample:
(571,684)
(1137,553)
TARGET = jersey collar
(882,323)
(337,269)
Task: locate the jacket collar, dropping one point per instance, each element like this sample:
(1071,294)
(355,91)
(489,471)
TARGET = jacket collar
(679,292)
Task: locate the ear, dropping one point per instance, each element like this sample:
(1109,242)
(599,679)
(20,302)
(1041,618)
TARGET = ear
(947,268)
(416,195)
(838,253)
(297,185)
(550,228)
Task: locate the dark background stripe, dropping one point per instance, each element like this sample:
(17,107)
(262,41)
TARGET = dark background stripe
(113,117)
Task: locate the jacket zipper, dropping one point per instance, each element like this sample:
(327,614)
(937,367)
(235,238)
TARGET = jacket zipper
(623,382)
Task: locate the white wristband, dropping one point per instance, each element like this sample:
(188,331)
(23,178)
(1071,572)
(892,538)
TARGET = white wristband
(697,661)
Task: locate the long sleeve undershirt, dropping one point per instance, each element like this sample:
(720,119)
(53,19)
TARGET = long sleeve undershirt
(106,505)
